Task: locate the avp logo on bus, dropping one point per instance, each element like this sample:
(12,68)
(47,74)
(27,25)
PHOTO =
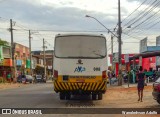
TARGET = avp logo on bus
(79,69)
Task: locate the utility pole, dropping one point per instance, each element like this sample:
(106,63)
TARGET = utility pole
(30,52)
(112,50)
(52,60)
(12,53)
(120,46)
(44,57)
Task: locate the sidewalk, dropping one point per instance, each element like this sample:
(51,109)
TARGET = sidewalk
(11,85)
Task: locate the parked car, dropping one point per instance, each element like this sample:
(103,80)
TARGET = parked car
(19,79)
(25,79)
(29,78)
(156,90)
(40,78)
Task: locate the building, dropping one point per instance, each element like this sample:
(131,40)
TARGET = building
(22,61)
(38,66)
(5,61)
(146,63)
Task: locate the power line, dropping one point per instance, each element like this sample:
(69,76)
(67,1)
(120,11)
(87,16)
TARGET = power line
(142,14)
(144,21)
(134,10)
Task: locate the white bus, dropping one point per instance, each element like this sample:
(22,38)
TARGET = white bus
(80,65)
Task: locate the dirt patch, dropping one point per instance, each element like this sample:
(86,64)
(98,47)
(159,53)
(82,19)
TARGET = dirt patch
(120,97)
(148,88)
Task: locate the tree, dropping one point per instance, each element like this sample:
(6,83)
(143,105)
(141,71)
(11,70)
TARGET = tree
(3,43)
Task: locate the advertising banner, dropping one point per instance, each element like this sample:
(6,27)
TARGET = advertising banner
(126,58)
(28,63)
(19,62)
(6,62)
(115,57)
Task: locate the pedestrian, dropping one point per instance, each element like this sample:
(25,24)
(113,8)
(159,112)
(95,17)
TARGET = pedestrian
(140,78)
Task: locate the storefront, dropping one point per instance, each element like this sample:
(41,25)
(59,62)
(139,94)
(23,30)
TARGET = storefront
(5,67)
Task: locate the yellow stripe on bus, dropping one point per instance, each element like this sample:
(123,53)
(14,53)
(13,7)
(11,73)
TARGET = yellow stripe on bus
(59,86)
(93,86)
(66,84)
(55,88)
(70,86)
(73,86)
(90,84)
(83,86)
(64,87)
(101,86)
(97,86)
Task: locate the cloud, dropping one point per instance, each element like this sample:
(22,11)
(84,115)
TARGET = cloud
(66,15)
(52,17)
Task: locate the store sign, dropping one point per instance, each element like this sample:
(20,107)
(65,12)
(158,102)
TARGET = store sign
(28,63)
(49,67)
(115,57)
(19,62)
(143,45)
(126,58)
(6,62)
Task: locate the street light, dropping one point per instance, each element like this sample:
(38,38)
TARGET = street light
(109,31)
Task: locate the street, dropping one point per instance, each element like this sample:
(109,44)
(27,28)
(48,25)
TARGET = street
(43,96)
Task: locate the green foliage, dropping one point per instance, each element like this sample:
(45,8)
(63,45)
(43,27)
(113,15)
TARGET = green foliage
(3,43)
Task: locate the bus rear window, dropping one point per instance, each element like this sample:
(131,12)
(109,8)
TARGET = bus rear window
(80,47)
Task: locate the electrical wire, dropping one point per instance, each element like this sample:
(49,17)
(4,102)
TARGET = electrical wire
(146,12)
(135,10)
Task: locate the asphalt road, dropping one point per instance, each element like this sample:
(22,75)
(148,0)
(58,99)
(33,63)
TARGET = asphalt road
(39,96)
(43,96)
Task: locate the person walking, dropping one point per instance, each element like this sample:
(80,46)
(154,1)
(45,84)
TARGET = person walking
(140,78)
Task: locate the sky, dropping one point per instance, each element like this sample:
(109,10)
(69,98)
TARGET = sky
(46,18)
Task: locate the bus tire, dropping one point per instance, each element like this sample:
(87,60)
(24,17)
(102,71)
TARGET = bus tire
(62,96)
(68,96)
(100,96)
(94,96)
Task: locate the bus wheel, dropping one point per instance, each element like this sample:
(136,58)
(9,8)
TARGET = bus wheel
(62,96)
(100,96)
(94,96)
(68,96)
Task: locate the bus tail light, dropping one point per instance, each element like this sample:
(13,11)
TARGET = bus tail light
(104,75)
(55,74)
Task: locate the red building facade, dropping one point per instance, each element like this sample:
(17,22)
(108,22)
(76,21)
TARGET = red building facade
(146,63)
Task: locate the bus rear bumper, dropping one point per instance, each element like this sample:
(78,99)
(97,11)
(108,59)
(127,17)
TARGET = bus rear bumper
(80,88)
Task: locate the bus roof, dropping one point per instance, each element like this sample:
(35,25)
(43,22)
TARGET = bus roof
(79,34)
